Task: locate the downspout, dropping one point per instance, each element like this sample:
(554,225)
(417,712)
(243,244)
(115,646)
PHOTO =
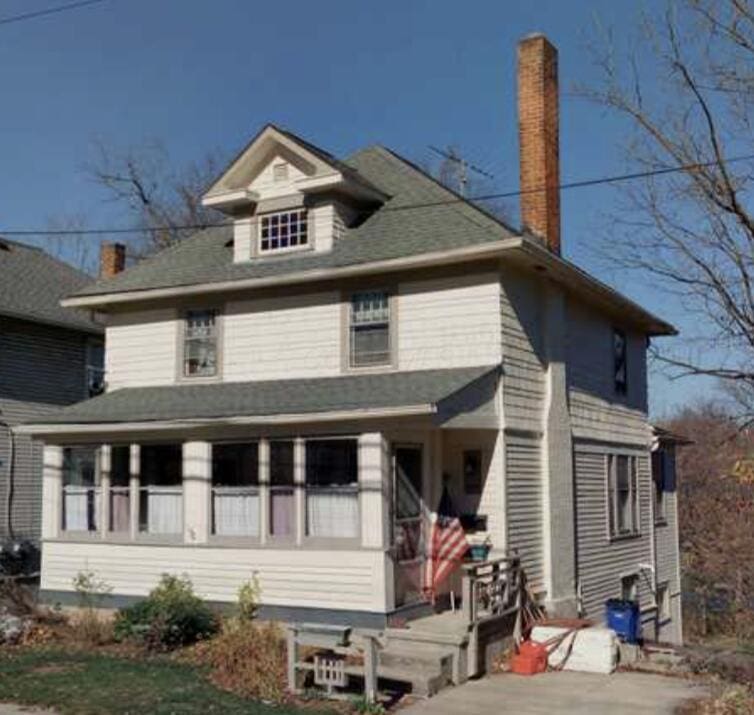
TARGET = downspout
(9,492)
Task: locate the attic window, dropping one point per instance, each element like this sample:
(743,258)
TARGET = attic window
(280,172)
(283,231)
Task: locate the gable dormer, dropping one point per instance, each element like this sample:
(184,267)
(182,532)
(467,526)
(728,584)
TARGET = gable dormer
(286,196)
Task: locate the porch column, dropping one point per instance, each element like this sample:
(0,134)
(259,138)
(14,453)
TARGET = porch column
(104,460)
(197,491)
(134,470)
(299,482)
(264,490)
(374,492)
(558,507)
(52,489)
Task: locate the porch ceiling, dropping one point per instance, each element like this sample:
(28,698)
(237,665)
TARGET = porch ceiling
(430,392)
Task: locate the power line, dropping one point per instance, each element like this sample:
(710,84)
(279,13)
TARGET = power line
(48,11)
(616,179)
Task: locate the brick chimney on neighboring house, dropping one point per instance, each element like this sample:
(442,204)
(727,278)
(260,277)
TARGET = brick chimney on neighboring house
(112,259)
(539,152)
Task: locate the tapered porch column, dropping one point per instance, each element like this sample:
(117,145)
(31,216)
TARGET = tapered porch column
(52,489)
(197,491)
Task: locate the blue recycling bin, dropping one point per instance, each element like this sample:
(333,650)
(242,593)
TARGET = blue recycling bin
(623,617)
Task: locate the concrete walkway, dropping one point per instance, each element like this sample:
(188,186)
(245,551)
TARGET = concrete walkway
(563,692)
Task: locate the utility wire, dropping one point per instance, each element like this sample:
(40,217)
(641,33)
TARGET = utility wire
(48,11)
(618,178)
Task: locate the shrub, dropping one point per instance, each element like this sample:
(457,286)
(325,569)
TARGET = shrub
(248,659)
(90,626)
(248,599)
(171,616)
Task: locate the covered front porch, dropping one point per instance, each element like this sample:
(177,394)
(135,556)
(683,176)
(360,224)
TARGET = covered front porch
(330,512)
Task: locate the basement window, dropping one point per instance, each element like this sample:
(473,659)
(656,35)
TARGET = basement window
(283,231)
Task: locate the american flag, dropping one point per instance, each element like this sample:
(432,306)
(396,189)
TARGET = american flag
(447,546)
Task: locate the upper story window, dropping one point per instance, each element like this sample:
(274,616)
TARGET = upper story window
(620,364)
(370,329)
(623,495)
(282,231)
(200,344)
(95,367)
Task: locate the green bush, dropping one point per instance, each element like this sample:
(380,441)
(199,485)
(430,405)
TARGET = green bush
(170,617)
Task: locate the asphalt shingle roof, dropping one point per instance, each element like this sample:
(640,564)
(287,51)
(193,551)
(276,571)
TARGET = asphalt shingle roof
(393,231)
(32,283)
(270,397)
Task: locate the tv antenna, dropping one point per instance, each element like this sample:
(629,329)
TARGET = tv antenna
(463,167)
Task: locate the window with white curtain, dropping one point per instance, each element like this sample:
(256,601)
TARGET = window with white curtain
(81,489)
(161,489)
(370,329)
(282,495)
(235,489)
(200,343)
(120,494)
(623,495)
(332,495)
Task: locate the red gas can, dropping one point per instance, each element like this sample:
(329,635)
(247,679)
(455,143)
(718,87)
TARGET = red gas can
(530,659)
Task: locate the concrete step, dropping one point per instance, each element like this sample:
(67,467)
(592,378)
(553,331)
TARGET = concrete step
(420,635)
(399,653)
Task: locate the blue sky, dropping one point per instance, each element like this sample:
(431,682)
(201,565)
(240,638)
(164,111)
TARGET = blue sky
(201,75)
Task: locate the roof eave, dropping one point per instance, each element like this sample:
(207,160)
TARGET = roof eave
(92,329)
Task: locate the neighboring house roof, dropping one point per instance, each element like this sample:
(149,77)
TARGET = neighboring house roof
(32,284)
(422,221)
(395,393)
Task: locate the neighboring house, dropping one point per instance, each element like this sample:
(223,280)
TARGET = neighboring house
(286,394)
(50,356)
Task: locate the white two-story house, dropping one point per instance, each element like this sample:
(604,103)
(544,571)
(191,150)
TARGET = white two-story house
(288,393)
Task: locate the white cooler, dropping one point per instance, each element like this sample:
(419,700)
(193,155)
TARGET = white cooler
(592,650)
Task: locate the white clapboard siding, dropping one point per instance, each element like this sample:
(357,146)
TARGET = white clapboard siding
(524,499)
(301,577)
(141,348)
(523,361)
(449,322)
(601,562)
(597,412)
(282,337)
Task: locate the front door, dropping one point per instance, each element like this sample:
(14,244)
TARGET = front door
(408,524)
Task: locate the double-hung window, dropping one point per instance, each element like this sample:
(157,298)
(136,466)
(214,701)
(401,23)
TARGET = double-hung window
(120,492)
(95,367)
(161,489)
(282,494)
(235,489)
(623,495)
(200,343)
(369,330)
(282,231)
(81,489)
(332,494)
(660,465)
(620,362)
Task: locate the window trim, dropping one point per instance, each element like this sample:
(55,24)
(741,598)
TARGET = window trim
(181,344)
(97,490)
(613,534)
(263,253)
(237,539)
(346,312)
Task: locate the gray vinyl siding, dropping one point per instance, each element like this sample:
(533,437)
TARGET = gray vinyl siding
(601,561)
(41,369)
(667,560)
(524,495)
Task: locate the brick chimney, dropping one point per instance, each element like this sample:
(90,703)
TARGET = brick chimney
(112,259)
(539,152)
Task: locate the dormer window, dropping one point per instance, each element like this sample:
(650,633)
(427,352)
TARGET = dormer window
(286,230)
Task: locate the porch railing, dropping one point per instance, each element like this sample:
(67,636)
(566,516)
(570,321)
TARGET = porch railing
(493,590)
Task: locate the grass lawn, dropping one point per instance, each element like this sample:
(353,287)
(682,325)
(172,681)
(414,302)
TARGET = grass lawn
(88,684)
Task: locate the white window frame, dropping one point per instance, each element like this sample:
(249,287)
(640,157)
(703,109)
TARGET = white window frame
(630,580)
(389,324)
(611,468)
(302,220)
(184,338)
(92,494)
